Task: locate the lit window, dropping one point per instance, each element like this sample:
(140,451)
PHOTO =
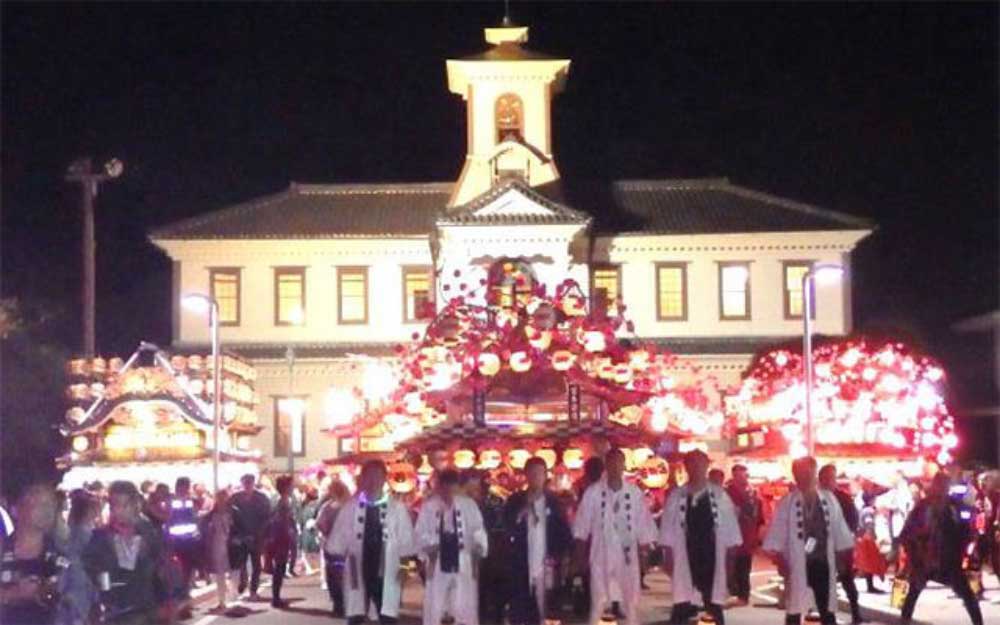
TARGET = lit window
(416,293)
(605,287)
(671,291)
(289,296)
(352,290)
(734,290)
(225,288)
(509,117)
(511,281)
(794,272)
(289,426)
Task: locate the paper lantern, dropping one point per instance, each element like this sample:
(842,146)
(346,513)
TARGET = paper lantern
(78,366)
(562,360)
(573,306)
(517,457)
(196,362)
(99,366)
(464,459)
(79,392)
(520,362)
(548,455)
(639,359)
(490,459)
(594,341)
(622,374)
(402,478)
(75,414)
(179,363)
(116,364)
(606,370)
(80,444)
(541,339)
(489,364)
(573,458)
(654,473)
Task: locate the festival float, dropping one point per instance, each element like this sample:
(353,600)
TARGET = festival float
(151,418)
(878,409)
(502,374)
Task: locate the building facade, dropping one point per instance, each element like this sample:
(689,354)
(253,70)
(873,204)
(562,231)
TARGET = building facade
(316,281)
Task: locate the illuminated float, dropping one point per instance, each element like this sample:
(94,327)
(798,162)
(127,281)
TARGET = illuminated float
(491,384)
(150,418)
(878,408)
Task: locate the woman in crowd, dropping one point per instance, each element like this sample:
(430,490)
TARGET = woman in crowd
(78,594)
(218,526)
(868,558)
(333,566)
(30,563)
(281,539)
(308,534)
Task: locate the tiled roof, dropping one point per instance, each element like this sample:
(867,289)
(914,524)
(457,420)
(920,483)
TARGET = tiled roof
(699,206)
(683,206)
(469,213)
(321,211)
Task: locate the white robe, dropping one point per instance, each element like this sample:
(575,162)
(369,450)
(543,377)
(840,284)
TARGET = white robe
(673,534)
(455,594)
(787,537)
(347,540)
(617,523)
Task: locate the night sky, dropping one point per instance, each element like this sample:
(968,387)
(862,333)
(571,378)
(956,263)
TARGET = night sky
(884,111)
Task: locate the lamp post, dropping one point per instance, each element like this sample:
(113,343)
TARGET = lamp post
(199,303)
(82,171)
(821,271)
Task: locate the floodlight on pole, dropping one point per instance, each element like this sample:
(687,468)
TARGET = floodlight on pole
(824,273)
(201,303)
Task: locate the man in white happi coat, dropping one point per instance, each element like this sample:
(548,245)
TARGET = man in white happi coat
(374,534)
(452,540)
(808,540)
(698,529)
(614,515)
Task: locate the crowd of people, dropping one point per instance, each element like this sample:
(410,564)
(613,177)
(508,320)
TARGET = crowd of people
(131,554)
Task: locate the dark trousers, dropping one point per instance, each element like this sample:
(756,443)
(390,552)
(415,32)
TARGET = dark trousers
(739,575)
(818,578)
(683,612)
(252,552)
(279,568)
(959,583)
(334,572)
(847,582)
(373,594)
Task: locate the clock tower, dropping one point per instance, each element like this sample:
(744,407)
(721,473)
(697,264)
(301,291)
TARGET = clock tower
(508,91)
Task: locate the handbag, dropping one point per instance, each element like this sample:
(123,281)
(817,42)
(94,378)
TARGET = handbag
(900,588)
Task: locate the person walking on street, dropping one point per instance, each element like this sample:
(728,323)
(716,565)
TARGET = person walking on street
(540,536)
(372,535)
(615,518)
(698,530)
(808,540)
(29,562)
(828,482)
(281,539)
(78,594)
(750,516)
(221,554)
(935,537)
(251,511)
(333,566)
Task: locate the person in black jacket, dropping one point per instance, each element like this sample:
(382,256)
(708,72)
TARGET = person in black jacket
(828,481)
(539,538)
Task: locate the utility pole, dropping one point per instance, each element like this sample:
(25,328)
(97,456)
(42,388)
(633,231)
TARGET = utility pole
(82,171)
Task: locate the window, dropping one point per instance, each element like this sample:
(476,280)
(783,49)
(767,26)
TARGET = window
(605,287)
(794,271)
(509,117)
(224,286)
(417,294)
(352,290)
(289,296)
(734,291)
(289,426)
(511,281)
(671,291)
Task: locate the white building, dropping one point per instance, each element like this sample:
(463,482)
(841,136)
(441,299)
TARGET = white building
(708,268)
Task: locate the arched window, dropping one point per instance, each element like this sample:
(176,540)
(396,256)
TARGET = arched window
(511,282)
(509,116)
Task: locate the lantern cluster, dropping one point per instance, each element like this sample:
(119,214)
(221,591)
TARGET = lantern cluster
(879,394)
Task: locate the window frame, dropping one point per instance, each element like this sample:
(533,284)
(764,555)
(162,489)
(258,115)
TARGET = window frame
(747,299)
(407,270)
(786,295)
(684,289)
(237,272)
(594,268)
(343,270)
(276,401)
(288,270)
(497,131)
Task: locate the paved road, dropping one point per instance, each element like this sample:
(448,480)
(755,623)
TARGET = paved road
(310,606)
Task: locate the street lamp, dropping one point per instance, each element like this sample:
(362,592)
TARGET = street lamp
(824,272)
(200,303)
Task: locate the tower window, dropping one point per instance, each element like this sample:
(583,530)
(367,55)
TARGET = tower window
(509,115)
